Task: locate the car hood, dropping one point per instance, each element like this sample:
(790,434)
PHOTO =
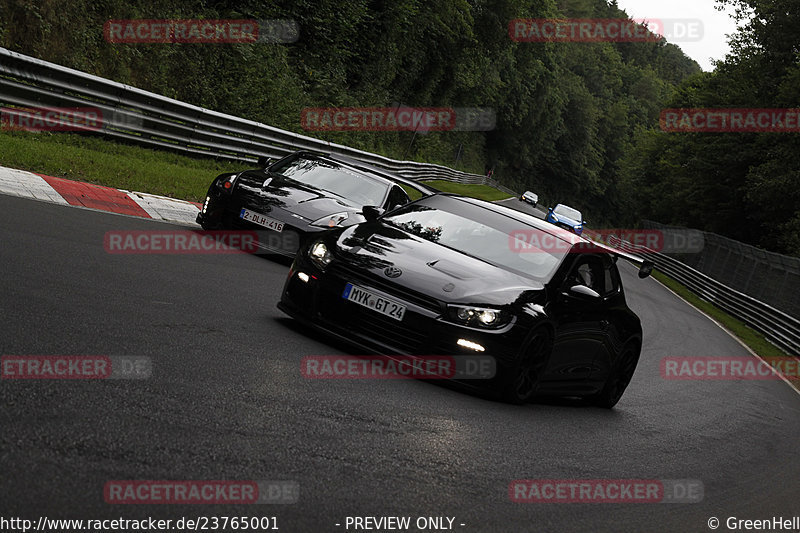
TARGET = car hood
(430,268)
(293,196)
(565,220)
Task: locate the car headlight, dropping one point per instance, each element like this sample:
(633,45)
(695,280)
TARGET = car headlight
(482,317)
(320,255)
(331,221)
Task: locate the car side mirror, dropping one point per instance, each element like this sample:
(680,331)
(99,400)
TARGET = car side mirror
(583,291)
(371,212)
(264,161)
(646,269)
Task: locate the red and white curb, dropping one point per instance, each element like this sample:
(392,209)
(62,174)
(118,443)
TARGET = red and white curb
(76,193)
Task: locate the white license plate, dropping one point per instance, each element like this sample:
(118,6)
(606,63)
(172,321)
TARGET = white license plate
(261,220)
(372,301)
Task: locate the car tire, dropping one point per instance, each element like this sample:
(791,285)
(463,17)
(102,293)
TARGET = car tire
(211,223)
(619,378)
(520,381)
(210,227)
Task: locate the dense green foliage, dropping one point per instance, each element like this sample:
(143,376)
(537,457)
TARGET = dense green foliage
(566,113)
(743,185)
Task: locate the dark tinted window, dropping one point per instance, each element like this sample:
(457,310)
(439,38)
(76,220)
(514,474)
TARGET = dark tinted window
(328,177)
(568,212)
(588,270)
(397,197)
(612,278)
(483,233)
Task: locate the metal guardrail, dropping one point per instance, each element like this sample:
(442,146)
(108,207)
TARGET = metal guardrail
(769,277)
(146,118)
(778,327)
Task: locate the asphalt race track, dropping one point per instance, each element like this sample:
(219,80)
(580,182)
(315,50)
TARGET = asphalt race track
(539,211)
(226,401)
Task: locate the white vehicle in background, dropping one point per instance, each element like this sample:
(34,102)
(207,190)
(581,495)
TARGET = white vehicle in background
(529,197)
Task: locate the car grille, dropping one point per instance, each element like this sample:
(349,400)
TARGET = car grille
(393,333)
(565,226)
(349,274)
(406,336)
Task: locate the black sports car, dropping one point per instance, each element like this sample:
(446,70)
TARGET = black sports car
(448,275)
(300,195)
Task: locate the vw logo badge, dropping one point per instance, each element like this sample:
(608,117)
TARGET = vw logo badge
(392,272)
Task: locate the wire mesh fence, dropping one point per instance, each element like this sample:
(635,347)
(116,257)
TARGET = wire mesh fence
(766,276)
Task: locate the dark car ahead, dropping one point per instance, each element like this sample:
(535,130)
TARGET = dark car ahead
(300,195)
(448,275)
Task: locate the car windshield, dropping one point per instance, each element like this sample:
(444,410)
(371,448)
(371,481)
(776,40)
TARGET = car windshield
(567,212)
(326,176)
(482,233)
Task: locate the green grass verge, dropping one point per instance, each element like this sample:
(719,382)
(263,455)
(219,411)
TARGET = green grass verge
(752,338)
(412,193)
(95,160)
(134,168)
(482,192)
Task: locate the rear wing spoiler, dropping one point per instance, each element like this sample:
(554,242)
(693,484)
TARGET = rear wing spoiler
(645,266)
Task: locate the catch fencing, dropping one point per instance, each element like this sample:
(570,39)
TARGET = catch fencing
(760,288)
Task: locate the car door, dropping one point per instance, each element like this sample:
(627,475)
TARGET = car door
(614,332)
(581,323)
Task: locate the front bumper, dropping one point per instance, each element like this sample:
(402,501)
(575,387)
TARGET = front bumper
(577,230)
(319,303)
